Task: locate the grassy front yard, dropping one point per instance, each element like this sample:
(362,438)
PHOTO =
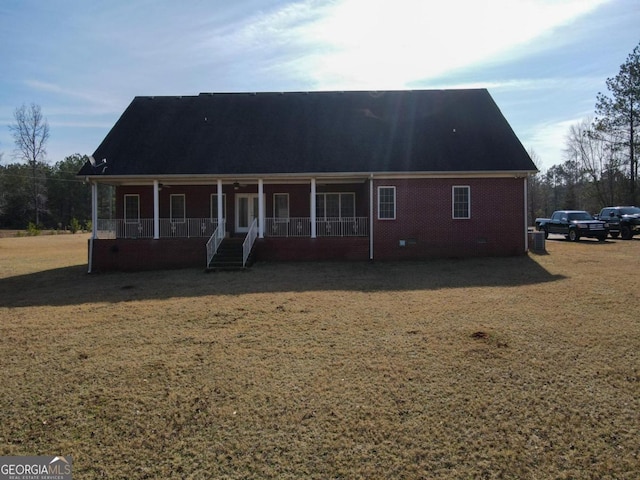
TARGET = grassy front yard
(521,368)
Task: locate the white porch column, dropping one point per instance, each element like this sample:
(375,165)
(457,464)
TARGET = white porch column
(260,208)
(94,209)
(220,211)
(156,210)
(313,208)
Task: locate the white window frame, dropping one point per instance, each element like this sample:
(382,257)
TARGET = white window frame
(453,202)
(126,197)
(214,211)
(172,217)
(324,204)
(275,203)
(386,187)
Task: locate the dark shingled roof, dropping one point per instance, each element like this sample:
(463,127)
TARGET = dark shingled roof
(315,132)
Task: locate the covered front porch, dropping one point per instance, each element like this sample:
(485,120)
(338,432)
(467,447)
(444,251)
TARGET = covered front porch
(314,220)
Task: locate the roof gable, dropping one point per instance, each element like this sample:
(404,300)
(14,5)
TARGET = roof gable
(314,132)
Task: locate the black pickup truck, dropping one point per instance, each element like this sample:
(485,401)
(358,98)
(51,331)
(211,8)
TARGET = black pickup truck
(573,224)
(623,221)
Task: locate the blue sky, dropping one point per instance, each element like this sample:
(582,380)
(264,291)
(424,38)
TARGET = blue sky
(83,61)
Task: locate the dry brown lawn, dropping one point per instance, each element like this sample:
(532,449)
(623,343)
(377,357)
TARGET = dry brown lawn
(522,368)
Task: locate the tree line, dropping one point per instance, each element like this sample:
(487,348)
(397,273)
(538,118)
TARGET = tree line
(600,165)
(44,195)
(35,194)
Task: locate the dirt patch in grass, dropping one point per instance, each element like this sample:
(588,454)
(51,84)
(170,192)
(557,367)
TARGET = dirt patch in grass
(487,368)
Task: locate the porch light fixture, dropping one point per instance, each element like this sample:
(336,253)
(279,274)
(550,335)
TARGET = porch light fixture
(236,186)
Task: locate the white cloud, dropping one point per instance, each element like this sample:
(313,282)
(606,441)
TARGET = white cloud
(382,44)
(548,139)
(309,44)
(92,103)
(262,37)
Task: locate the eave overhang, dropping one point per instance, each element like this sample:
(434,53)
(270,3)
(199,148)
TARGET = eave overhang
(271,178)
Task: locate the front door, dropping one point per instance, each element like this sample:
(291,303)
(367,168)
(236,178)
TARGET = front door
(246,211)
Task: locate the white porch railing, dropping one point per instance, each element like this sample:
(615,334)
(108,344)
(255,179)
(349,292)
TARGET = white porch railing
(287,227)
(190,227)
(214,242)
(325,227)
(118,228)
(204,227)
(143,228)
(249,240)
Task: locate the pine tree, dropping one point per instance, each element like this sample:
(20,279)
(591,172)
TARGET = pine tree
(619,114)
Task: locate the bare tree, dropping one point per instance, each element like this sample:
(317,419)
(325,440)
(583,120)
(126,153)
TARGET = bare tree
(597,157)
(30,134)
(535,189)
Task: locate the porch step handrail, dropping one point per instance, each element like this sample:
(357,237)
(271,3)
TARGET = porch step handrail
(214,242)
(249,240)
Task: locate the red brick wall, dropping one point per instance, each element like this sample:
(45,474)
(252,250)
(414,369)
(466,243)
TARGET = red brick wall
(146,200)
(307,249)
(146,254)
(424,219)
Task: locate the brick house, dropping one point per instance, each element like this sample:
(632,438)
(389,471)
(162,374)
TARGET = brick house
(307,176)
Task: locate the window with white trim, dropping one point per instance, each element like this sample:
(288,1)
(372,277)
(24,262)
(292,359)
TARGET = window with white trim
(132,208)
(461,202)
(335,205)
(386,203)
(177,208)
(214,206)
(281,205)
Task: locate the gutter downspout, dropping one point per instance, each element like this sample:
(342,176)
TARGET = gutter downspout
(260,208)
(94,223)
(220,213)
(526,223)
(156,210)
(371,217)
(313,208)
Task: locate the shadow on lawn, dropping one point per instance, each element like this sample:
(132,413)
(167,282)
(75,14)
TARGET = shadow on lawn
(72,285)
